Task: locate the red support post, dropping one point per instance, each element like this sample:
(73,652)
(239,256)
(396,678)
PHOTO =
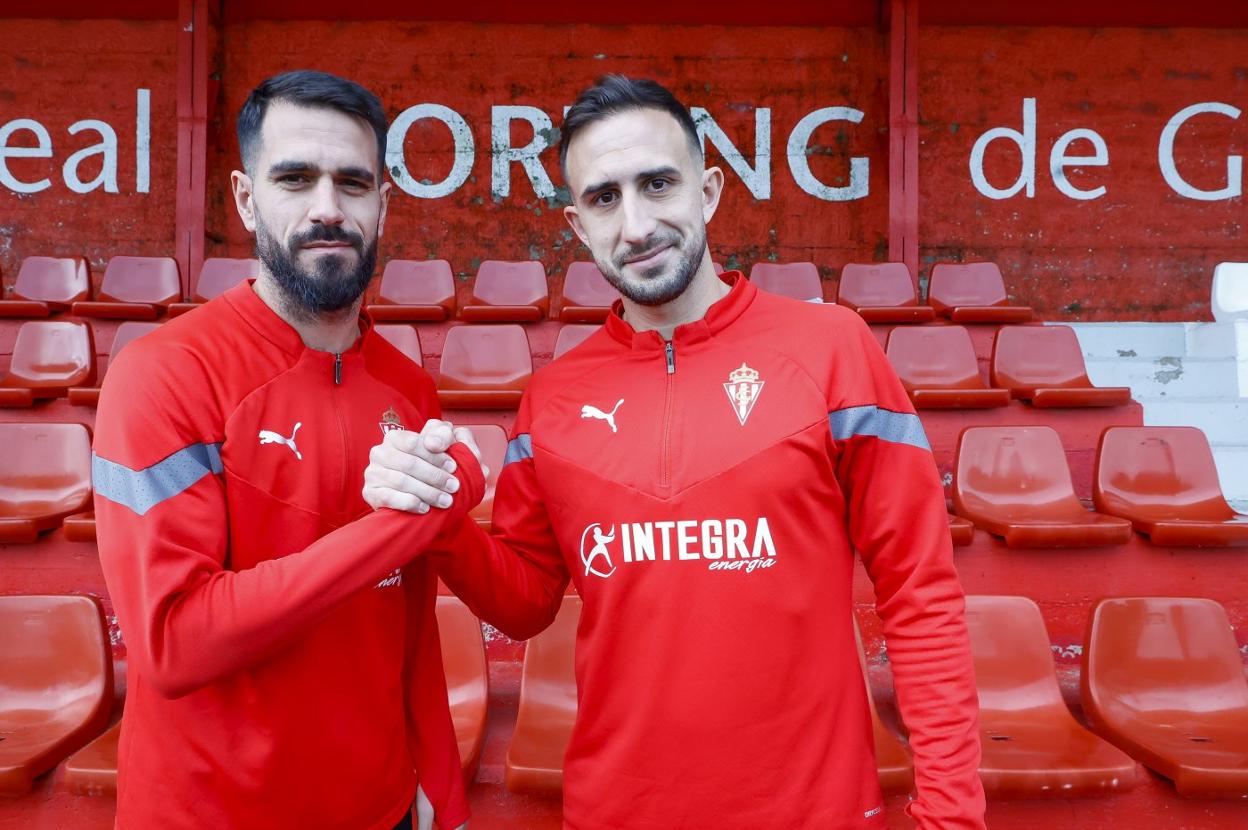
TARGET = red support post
(903,135)
(192,97)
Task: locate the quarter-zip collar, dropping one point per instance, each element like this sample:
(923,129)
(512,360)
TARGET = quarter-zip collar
(722,313)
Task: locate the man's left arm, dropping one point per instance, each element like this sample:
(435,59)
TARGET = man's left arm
(898,524)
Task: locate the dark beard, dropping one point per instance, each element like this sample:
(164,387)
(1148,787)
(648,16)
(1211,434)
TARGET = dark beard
(655,290)
(332,286)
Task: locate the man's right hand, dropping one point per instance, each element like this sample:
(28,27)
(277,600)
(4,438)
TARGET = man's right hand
(412,471)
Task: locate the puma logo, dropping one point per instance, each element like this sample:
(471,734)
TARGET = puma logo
(270,437)
(590,411)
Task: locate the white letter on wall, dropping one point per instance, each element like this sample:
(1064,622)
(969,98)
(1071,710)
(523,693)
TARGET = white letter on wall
(41,150)
(143,141)
(757,177)
(1165,156)
(464,151)
(1026,141)
(107,147)
(799,141)
(503,154)
(1059,161)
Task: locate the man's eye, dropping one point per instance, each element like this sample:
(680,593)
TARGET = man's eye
(354,184)
(659,184)
(604,199)
(292,178)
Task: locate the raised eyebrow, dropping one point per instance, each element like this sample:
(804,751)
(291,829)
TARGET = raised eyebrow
(283,167)
(357,173)
(654,173)
(595,188)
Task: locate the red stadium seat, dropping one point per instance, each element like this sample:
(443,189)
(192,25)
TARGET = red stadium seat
(403,337)
(49,357)
(883,292)
(1163,679)
(1032,744)
(414,289)
(587,296)
(218,275)
(467,681)
(484,367)
(126,332)
(1044,365)
(938,367)
(135,288)
(1014,483)
(92,770)
(892,760)
(962,531)
(80,527)
(1164,481)
(45,475)
(56,683)
(571,336)
(508,292)
(547,706)
(799,280)
(973,292)
(492,440)
(47,284)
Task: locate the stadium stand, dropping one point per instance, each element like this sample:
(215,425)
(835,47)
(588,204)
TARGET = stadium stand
(571,336)
(937,366)
(892,759)
(415,290)
(973,292)
(45,475)
(882,292)
(216,276)
(49,357)
(134,288)
(467,680)
(507,292)
(484,367)
(125,334)
(799,280)
(1044,365)
(587,296)
(405,338)
(47,285)
(492,440)
(92,770)
(1229,295)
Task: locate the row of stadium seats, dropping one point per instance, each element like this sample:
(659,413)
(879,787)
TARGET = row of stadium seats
(1013,482)
(1162,684)
(143,288)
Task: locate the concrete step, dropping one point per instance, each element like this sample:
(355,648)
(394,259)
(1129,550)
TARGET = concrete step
(1224,420)
(1218,339)
(1131,340)
(1232,462)
(1168,377)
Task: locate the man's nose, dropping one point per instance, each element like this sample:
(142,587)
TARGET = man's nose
(326,208)
(638,220)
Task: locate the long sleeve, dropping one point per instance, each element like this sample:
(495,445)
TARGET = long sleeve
(163,538)
(897,523)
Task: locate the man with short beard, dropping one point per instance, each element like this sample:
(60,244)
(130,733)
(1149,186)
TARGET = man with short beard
(704,469)
(284,667)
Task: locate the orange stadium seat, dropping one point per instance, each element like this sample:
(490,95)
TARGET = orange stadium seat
(492,440)
(547,706)
(403,337)
(126,332)
(571,336)
(973,292)
(47,284)
(587,296)
(413,289)
(216,276)
(135,288)
(484,367)
(962,531)
(799,280)
(1032,744)
(892,759)
(49,357)
(1164,481)
(1163,678)
(1044,365)
(882,292)
(80,527)
(92,770)
(508,292)
(56,683)
(1014,483)
(467,681)
(45,475)
(937,365)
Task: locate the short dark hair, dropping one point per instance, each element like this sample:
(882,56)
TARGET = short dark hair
(309,88)
(613,94)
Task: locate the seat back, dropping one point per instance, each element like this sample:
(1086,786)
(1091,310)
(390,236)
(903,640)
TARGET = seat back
(548,684)
(586,287)
(955,284)
(500,283)
(874,285)
(55,657)
(486,358)
(571,336)
(44,469)
(220,274)
(492,441)
(1013,659)
(1013,468)
(141,279)
(1229,300)
(127,333)
(52,355)
(1160,657)
(403,337)
(467,676)
(934,357)
(422,282)
(1160,473)
(57,281)
(1026,357)
(799,280)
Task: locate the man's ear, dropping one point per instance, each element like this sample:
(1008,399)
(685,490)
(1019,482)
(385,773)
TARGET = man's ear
(574,219)
(712,189)
(385,204)
(244,199)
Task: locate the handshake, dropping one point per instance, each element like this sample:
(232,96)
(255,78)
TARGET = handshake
(411,471)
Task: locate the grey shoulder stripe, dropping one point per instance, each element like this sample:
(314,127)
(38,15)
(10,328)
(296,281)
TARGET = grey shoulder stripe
(897,427)
(519,448)
(141,490)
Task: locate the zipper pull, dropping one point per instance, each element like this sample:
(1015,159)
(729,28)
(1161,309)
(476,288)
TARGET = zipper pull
(337,369)
(671,358)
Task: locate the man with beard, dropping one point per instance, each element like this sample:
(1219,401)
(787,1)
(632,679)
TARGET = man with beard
(284,661)
(710,528)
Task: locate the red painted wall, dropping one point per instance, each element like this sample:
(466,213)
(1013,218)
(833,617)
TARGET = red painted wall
(1141,251)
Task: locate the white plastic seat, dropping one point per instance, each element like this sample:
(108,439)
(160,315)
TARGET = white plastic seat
(1230,292)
